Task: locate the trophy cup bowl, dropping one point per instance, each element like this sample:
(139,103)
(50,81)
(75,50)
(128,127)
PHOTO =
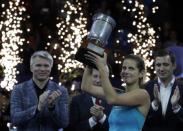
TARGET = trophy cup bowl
(97,38)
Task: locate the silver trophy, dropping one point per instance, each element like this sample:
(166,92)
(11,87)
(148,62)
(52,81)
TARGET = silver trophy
(100,31)
(97,38)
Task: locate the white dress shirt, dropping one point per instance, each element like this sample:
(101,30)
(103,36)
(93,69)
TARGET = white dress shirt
(165,93)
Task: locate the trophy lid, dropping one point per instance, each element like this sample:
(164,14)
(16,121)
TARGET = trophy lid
(108,19)
(101,29)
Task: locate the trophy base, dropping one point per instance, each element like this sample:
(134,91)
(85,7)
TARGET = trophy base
(79,56)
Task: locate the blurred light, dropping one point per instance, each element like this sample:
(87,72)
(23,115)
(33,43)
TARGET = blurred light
(145,38)
(11,42)
(71,34)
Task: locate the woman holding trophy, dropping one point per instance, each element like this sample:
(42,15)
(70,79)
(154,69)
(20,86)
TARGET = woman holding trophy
(130,108)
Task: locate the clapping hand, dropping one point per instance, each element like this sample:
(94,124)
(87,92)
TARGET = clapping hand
(48,98)
(175,97)
(42,100)
(53,97)
(156,93)
(97,112)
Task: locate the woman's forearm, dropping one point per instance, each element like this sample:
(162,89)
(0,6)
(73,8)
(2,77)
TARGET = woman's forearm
(86,80)
(109,91)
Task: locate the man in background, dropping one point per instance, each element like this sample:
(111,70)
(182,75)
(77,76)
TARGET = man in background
(39,104)
(88,113)
(166,93)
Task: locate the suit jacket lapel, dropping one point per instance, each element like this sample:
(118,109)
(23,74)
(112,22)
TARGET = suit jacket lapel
(88,100)
(169,106)
(31,91)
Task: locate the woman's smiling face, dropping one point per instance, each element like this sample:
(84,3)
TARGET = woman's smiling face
(130,73)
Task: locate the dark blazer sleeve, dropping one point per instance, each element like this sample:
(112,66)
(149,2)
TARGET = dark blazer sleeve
(60,115)
(21,108)
(179,114)
(107,110)
(78,117)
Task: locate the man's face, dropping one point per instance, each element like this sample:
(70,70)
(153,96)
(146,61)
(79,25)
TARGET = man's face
(41,69)
(96,78)
(164,67)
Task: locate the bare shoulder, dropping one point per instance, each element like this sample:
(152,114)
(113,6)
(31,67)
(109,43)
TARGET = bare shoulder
(138,96)
(145,95)
(142,95)
(141,92)
(145,102)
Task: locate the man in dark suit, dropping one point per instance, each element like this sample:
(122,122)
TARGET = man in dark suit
(166,93)
(88,113)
